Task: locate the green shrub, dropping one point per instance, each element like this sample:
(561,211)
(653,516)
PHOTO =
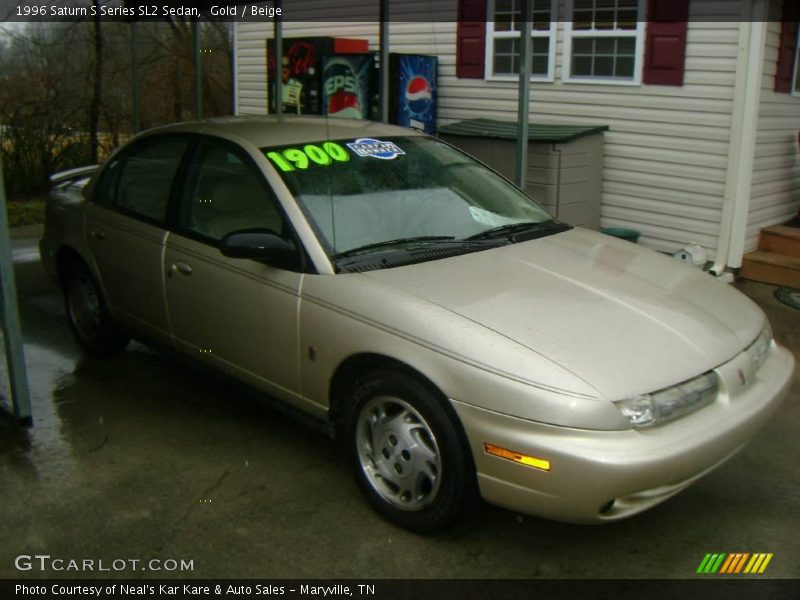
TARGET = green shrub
(30,154)
(25,212)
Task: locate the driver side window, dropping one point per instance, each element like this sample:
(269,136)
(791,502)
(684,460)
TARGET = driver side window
(225,193)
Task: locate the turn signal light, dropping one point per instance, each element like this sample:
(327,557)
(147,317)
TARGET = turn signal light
(523,459)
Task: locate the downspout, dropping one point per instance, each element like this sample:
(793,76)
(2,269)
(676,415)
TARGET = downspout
(744,186)
(739,167)
(557,150)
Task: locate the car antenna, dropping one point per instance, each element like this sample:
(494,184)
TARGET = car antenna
(330,182)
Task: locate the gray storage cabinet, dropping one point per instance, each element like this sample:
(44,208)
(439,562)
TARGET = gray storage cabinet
(565,162)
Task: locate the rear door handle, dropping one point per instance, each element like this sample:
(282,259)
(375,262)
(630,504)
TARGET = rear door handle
(182,267)
(97,234)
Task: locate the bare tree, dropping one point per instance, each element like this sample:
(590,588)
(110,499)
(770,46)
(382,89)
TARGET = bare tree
(65,89)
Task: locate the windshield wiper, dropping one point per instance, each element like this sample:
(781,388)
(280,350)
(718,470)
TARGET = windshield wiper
(397,242)
(511,230)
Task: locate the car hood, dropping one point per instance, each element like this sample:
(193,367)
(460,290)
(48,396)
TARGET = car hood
(625,319)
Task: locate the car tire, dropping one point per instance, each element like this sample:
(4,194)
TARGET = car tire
(88,315)
(409,452)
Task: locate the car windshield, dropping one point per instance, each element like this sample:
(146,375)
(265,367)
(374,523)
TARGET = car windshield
(367,195)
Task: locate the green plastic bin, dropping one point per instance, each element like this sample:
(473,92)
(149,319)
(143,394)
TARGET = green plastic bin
(623,233)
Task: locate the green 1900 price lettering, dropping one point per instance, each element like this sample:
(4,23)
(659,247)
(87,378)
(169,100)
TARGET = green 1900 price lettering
(300,158)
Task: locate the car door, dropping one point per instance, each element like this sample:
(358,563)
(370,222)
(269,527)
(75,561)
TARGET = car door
(126,230)
(239,315)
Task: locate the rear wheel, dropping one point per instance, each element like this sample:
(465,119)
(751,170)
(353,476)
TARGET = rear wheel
(87,313)
(409,452)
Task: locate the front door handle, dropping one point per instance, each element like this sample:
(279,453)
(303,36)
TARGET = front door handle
(182,267)
(97,234)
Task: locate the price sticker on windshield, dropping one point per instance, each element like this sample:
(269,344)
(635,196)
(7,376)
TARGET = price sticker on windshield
(291,159)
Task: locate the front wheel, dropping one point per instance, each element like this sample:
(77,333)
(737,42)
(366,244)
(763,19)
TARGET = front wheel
(410,455)
(88,316)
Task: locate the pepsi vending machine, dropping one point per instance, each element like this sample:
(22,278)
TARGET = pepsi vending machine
(348,85)
(412,93)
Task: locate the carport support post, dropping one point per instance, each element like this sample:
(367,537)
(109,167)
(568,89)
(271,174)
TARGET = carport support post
(524,95)
(9,319)
(198,70)
(278,71)
(384,54)
(137,100)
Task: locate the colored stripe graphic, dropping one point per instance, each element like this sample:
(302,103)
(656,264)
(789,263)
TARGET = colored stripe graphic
(711,563)
(728,563)
(741,562)
(734,563)
(703,563)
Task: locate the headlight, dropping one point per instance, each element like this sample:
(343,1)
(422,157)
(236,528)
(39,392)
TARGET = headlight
(758,350)
(670,403)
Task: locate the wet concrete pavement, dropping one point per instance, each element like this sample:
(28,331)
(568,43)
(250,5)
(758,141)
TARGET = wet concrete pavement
(141,457)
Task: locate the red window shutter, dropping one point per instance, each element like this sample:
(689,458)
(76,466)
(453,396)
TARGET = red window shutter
(788,43)
(471,39)
(665,42)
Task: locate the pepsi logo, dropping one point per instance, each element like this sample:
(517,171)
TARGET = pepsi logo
(341,90)
(341,82)
(419,95)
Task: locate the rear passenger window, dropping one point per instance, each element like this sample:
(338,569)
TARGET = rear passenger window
(146,179)
(224,193)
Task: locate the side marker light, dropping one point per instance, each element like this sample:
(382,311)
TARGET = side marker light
(523,459)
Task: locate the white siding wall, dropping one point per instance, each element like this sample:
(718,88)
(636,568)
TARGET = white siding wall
(666,150)
(249,69)
(775,193)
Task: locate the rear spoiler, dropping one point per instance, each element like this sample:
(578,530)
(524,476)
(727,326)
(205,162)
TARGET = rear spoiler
(72,174)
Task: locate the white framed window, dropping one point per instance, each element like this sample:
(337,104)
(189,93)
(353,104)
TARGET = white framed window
(796,71)
(503,36)
(604,41)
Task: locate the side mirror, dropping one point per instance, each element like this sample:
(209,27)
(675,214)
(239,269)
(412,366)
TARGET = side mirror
(260,245)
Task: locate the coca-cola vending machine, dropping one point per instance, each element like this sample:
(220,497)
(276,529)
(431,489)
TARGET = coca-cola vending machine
(301,70)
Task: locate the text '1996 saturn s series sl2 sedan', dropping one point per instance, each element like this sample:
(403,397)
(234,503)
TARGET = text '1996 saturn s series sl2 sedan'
(459,339)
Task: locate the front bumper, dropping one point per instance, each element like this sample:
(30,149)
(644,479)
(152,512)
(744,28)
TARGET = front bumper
(600,476)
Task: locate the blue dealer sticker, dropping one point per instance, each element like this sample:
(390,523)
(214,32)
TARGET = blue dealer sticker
(375,148)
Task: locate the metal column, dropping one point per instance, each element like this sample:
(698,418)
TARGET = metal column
(198,71)
(524,94)
(19,403)
(384,54)
(137,99)
(278,73)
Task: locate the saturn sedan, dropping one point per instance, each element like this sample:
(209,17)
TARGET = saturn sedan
(459,339)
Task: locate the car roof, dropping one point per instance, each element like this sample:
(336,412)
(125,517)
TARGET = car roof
(269,130)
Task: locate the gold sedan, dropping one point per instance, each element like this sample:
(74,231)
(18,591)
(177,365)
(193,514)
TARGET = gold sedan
(461,341)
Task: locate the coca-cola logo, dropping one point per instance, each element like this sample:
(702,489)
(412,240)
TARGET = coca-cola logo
(299,57)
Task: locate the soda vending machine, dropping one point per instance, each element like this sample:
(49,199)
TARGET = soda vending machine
(301,70)
(412,93)
(348,85)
